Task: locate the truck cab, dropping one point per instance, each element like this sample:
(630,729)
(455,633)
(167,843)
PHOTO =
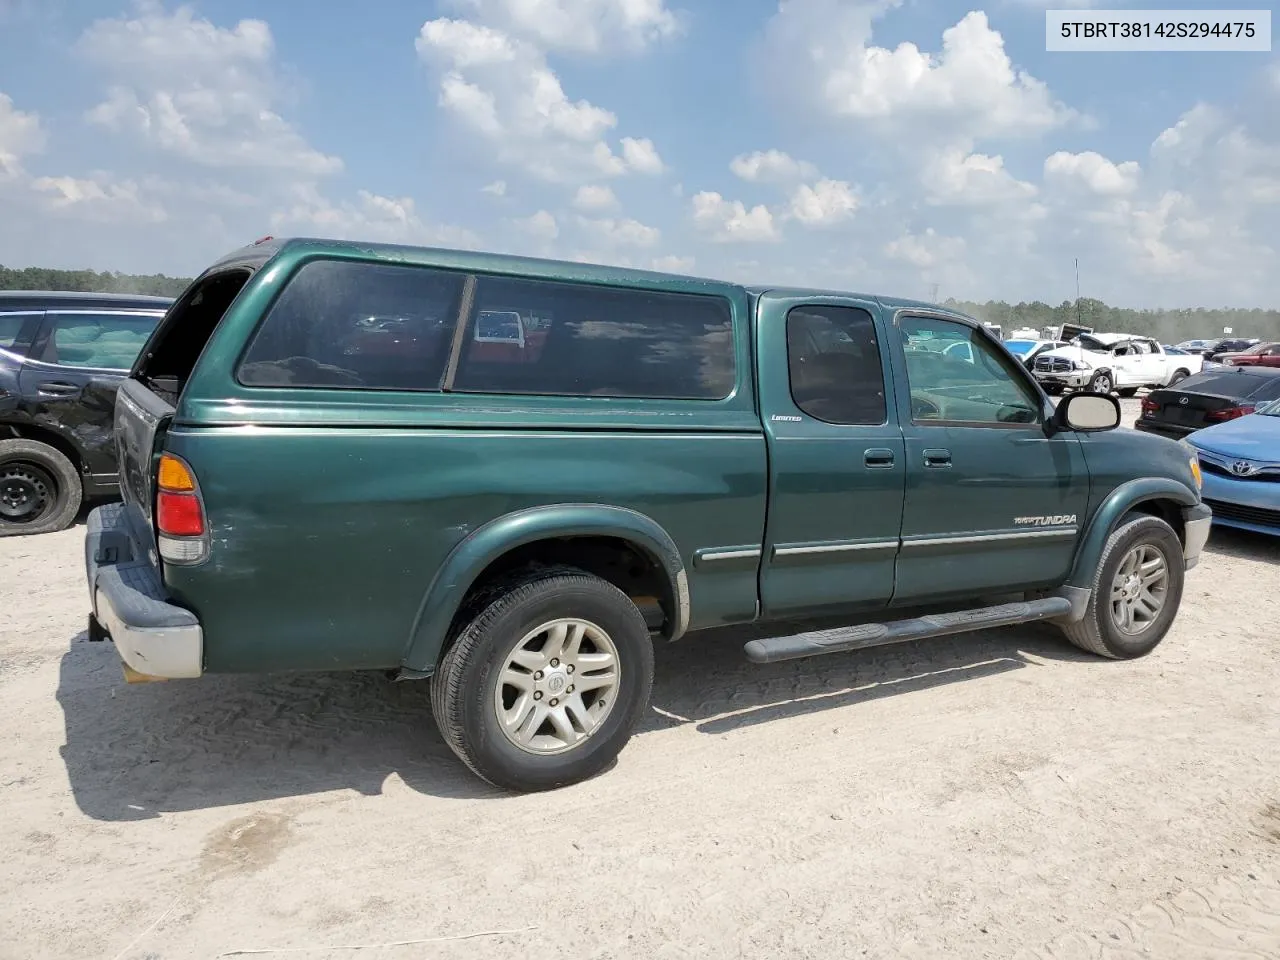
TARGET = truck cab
(574,465)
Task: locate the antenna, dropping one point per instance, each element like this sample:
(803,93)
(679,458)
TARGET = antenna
(1079,321)
(933,293)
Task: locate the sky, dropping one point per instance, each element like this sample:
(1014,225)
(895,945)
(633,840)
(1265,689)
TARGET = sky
(897,147)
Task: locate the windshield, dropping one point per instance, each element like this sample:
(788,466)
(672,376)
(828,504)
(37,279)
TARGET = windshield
(1091,343)
(1020,346)
(1269,409)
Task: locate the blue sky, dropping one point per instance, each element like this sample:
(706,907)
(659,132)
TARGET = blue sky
(880,146)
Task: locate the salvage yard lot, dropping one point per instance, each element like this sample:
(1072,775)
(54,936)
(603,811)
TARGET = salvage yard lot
(996,795)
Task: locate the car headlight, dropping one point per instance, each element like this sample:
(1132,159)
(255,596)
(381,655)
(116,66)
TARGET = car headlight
(1077,365)
(1193,456)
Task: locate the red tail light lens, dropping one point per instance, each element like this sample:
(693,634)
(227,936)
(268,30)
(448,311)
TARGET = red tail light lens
(1229,413)
(1149,406)
(183,537)
(179,514)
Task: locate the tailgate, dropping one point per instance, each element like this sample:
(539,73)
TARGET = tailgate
(141,418)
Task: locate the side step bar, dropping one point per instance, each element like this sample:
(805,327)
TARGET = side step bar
(818,642)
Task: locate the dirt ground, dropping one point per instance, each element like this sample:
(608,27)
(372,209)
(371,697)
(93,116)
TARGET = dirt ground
(995,795)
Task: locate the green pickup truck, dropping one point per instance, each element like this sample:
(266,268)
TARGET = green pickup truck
(514,477)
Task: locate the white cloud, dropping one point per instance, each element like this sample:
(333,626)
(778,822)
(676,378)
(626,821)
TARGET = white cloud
(541,225)
(1092,171)
(954,176)
(20,134)
(970,89)
(98,198)
(496,189)
(593,196)
(583,26)
(771,166)
(369,217)
(824,203)
(624,232)
(673,264)
(728,221)
(641,156)
(202,92)
(503,89)
(926,250)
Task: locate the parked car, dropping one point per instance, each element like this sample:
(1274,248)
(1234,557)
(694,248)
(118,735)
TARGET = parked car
(1197,347)
(1240,460)
(1229,345)
(1208,398)
(1028,350)
(672,455)
(1102,362)
(62,355)
(1263,354)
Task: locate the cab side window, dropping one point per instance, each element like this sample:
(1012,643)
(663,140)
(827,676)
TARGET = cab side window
(833,359)
(976,384)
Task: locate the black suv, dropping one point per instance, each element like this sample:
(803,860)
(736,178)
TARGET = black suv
(62,356)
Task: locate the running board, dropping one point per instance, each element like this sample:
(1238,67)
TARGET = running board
(818,642)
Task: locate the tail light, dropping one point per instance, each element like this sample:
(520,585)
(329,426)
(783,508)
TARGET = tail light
(1229,413)
(183,533)
(1149,407)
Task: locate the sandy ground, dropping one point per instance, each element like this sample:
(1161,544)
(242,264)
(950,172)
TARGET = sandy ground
(997,795)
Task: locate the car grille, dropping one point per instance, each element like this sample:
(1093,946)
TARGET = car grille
(1271,475)
(1234,511)
(1052,365)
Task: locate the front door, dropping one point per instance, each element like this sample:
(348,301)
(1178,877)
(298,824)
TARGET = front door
(836,465)
(993,502)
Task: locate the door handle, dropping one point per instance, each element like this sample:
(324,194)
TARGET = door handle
(878,458)
(56,388)
(937,457)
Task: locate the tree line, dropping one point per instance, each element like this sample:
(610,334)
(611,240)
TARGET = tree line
(1168,326)
(89,281)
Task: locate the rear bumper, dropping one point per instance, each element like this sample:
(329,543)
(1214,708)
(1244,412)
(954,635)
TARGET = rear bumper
(153,636)
(1196,522)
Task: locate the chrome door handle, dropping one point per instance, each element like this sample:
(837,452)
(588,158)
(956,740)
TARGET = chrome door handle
(937,457)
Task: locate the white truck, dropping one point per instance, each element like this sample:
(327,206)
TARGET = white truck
(1103,362)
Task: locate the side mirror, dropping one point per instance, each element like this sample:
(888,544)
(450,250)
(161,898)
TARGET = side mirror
(1087,413)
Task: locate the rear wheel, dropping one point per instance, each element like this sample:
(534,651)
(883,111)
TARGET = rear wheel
(1136,591)
(545,686)
(1178,377)
(40,489)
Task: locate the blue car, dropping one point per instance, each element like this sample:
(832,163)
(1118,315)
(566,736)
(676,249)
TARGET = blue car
(1240,461)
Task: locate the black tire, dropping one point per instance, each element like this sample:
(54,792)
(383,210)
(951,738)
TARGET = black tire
(1178,377)
(466,684)
(40,489)
(1053,391)
(1099,632)
(1101,382)
(1128,392)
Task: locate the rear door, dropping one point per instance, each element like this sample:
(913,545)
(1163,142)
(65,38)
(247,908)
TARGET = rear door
(993,501)
(836,467)
(69,381)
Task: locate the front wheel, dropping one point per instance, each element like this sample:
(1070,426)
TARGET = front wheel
(1128,392)
(40,489)
(1101,383)
(1136,591)
(545,686)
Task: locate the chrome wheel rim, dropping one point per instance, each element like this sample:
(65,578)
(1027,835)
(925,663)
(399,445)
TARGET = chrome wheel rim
(1103,385)
(557,686)
(1140,589)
